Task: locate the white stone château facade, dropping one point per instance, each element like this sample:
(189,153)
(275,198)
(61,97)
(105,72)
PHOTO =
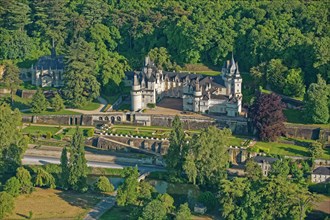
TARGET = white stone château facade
(199,93)
(48,71)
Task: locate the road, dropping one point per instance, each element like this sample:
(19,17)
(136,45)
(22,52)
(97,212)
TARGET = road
(41,160)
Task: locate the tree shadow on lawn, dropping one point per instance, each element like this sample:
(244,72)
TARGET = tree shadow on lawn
(298,142)
(82,200)
(296,152)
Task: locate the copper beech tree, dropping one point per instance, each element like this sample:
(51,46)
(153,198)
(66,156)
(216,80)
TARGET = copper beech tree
(267,116)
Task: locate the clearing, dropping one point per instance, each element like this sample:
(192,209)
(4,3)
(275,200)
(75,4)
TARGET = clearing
(53,204)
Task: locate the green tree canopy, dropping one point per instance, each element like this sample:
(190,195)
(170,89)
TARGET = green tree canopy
(294,84)
(12,144)
(24,177)
(128,191)
(57,103)
(183,213)
(77,162)
(81,85)
(39,102)
(65,171)
(13,186)
(103,185)
(155,210)
(6,204)
(253,170)
(317,102)
(44,179)
(176,151)
(11,79)
(208,151)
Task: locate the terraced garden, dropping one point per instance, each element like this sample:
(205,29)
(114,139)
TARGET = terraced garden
(150,132)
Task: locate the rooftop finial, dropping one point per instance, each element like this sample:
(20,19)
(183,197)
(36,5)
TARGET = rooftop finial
(53,51)
(232,58)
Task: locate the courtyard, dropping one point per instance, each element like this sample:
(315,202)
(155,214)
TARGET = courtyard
(171,106)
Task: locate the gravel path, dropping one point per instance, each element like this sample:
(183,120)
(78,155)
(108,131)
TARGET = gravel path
(100,208)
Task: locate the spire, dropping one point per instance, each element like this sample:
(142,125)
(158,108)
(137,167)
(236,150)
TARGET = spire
(197,85)
(237,70)
(53,51)
(146,61)
(136,81)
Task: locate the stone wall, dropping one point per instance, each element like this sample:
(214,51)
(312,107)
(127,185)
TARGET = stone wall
(307,132)
(193,123)
(54,119)
(26,94)
(120,142)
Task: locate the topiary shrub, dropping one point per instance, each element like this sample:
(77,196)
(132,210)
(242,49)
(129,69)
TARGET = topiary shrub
(49,135)
(90,132)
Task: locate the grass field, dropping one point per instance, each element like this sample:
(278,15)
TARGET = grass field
(42,130)
(296,117)
(283,149)
(53,204)
(19,102)
(90,106)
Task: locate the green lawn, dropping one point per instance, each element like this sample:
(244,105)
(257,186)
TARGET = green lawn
(282,149)
(236,141)
(296,117)
(71,131)
(51,112)
(42,130)
(19,102)
(91,106)
(117,213)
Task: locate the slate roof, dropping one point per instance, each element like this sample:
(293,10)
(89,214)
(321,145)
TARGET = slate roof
(322,171)
(50,62)
(261,159)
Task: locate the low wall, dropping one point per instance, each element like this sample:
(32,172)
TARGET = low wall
(193,123)
(307,132)
(54,119)
(120,142)
(26,94)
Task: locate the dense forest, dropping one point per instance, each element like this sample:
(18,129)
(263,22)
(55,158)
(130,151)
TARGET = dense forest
(283,44)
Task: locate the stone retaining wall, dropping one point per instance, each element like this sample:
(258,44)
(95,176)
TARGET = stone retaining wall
(193,123)
(307,132)
(120,142)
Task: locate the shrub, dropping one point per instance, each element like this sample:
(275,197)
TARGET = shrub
(103,185)
(24,177)
(48,135)
(58,137)
(151,105)
(13,186)
(208,199)
(90,132)
(6,204)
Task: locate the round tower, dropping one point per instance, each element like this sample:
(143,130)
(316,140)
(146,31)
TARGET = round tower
(136,95)
(197,96)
